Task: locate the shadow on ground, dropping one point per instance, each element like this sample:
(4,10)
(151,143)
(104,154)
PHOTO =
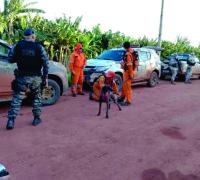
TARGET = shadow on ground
(156,174)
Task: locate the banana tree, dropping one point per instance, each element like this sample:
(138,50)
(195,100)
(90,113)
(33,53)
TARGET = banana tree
(13,9)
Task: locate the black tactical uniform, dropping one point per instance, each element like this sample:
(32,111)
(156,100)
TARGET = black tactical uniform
(31,59)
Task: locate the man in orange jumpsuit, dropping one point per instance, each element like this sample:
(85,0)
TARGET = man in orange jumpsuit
(129,71)
(108,78)
(76,66)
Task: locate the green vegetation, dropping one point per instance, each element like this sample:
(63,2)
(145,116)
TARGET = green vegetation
(60,35)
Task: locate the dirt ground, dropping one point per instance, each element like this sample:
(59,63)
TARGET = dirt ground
(156,138)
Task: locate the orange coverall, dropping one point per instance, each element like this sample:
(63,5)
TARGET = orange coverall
(128,76)
(97,86)
(76,66)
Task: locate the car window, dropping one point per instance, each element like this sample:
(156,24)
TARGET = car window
(3,50)
(183,57)
(116,55)
(144,56)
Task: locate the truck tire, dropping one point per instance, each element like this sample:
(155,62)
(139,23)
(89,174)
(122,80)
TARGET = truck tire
(153,81)
(51,94)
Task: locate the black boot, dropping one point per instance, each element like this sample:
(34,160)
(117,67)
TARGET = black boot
(36,121)
(73,95)
(90,96)
(10,124)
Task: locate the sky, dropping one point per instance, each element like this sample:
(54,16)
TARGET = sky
(135,18)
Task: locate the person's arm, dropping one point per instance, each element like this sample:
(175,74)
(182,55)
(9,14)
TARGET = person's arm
(129,63)
(71,63)
(45,62)
(45,65)
(85,62)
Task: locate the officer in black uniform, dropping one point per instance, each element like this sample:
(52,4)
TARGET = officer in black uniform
(31,74)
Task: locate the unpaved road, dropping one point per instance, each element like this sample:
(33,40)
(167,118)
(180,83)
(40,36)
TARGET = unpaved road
(157,138)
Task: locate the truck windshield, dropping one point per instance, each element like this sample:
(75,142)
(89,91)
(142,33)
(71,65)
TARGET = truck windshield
(115,55)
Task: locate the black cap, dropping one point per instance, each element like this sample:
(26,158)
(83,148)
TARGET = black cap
(28,32)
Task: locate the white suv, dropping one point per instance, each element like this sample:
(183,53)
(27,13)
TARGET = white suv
(149,68)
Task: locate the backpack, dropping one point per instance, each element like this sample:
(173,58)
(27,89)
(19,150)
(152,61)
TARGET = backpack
(135,59)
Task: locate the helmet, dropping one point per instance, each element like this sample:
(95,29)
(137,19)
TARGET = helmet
(110,74)
(78,46)
(3,171)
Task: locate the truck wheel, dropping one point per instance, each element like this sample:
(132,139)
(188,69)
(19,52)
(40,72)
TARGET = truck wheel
(153,81)
(119,81)
(51,94)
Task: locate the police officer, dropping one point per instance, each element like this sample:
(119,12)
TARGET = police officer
(174,66)
(188,74)
(31,73)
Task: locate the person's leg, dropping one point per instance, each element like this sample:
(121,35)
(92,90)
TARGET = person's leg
(35,88)
(80,83)
(188,75)
(128,91)
(18,96)
(75,78)
(123,93)
(174,73)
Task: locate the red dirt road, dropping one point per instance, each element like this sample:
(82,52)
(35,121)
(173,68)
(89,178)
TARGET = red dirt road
(157,138)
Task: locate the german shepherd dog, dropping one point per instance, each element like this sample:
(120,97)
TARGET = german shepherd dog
(107,96)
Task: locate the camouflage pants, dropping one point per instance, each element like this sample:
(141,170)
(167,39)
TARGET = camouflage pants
(188,74)
(21,85)
(174,72)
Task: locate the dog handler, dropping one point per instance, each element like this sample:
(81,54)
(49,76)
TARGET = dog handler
(127,65)
(108,78)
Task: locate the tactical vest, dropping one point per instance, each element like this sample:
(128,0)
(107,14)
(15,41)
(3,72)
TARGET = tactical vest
(29,62)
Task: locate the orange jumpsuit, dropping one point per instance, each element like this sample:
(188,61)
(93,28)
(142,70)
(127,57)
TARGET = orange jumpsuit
(127,76)
(97,86)
(76,66)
